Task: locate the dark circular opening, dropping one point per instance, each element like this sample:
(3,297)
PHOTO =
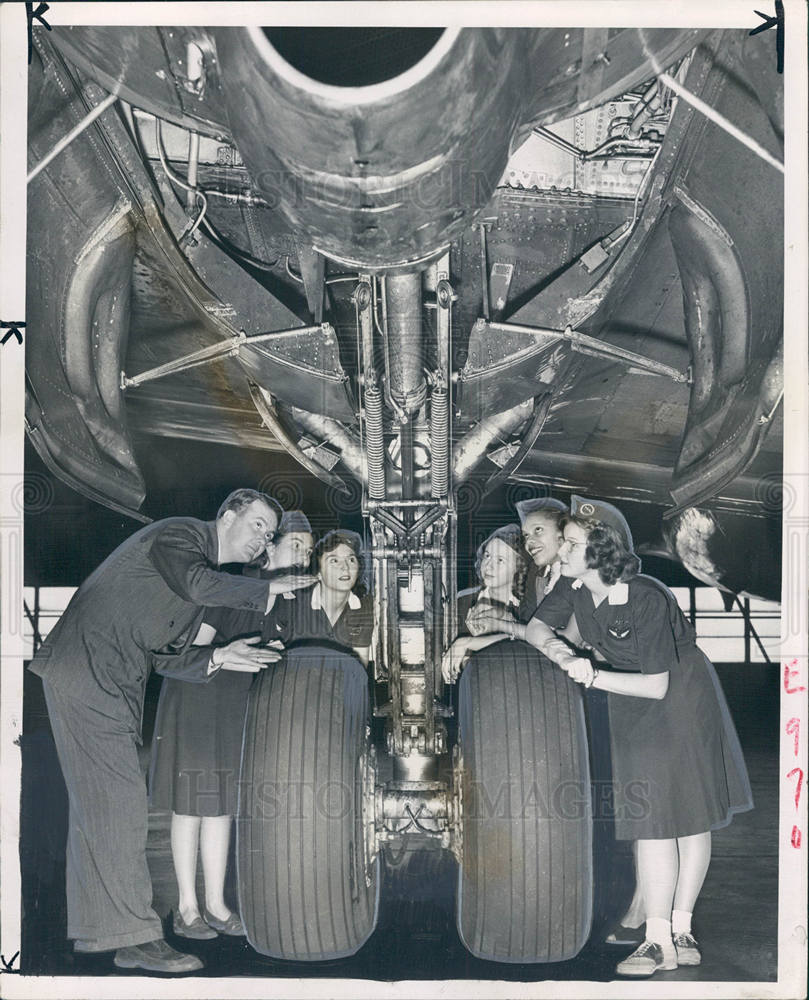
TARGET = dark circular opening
(352,57)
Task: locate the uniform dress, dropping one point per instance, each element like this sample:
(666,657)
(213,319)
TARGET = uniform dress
(538,583)
(468,599)
(197,746)
(678,768)
(304,622)
(139,610)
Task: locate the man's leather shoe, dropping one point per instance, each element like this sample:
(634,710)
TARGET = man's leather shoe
(156,956)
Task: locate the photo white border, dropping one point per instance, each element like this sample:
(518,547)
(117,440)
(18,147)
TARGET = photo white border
(552,13)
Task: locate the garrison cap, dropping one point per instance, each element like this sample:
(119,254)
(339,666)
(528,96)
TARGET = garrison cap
(294,522)
(340,536)
(598,510)
(510,534)
(526,507)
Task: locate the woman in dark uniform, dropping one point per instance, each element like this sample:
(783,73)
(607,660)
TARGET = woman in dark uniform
(336,610)
(677,764)
(198,742)
(501,565)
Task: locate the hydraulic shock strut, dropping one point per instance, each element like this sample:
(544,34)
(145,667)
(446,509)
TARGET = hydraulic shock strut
(375,444)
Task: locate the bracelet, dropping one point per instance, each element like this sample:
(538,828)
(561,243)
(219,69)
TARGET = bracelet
(593,678)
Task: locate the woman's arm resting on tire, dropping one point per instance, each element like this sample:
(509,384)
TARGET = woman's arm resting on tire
(543,638)
(571,633)
(637,685)
(461,648)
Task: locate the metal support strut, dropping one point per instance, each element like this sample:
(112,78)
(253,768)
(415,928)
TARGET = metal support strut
(226,348)
(584,344)
(375,443)
(63,143)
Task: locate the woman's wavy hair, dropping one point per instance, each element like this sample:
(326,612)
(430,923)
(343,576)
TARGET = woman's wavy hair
(340,536)
(511,534)
(607,551)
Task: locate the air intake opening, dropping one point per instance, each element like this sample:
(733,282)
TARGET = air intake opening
(352,57)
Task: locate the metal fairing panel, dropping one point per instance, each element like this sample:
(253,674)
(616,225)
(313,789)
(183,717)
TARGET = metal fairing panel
(78,302)
(148,66)
(303,371)
(711,271)
(694,241)
(109,291)
(308,375)
(728,249)
(539,233)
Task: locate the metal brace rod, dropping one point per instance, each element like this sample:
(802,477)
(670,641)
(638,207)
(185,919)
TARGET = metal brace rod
(401,555)
(427,502)
(584,344)
(557,140)
(484,273)
(206,355)
(400,529)
(65,141)
(424,522)
(391,522)
(713,115)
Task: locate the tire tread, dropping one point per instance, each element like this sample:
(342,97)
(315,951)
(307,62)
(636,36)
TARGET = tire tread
(525,883)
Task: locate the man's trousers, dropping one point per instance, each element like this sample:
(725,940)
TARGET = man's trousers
(109,890)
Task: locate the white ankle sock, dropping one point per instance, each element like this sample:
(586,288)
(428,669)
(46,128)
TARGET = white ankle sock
(659,931)
(680,922)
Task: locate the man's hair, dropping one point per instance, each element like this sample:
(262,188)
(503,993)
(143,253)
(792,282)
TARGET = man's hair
(239,499)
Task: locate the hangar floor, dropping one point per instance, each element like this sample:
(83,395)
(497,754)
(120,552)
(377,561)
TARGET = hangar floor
(735,920)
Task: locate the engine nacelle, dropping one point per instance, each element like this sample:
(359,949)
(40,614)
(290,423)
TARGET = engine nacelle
(383,174)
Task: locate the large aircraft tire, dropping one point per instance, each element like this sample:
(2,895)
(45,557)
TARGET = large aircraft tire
(306,890)
(525,879)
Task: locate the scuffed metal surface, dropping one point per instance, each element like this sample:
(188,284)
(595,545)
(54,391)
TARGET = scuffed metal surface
(186,298)
(692,536)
